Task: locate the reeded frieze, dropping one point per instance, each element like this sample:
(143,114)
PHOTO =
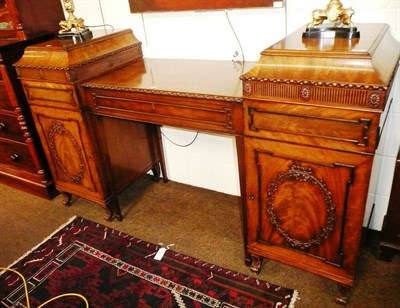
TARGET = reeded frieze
(325,93)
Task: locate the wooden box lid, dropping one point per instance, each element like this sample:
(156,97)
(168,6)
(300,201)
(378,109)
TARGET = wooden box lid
(68,60)
(343,72)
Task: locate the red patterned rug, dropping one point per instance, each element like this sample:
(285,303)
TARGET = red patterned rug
(113,269)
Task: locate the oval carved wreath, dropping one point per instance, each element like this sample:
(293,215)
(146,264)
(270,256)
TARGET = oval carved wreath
(303,174)
(59,129)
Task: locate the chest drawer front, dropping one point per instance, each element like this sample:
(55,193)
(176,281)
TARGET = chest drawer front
(326,127)
(5,102)
(16,155)
(10,128)
(202,113)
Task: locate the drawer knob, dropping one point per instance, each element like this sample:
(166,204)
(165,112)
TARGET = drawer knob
(15,157)
(251,197)
(2,126)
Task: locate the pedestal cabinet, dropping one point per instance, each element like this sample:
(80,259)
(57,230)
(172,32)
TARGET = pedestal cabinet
(73,140)
(312,110)
(22,161)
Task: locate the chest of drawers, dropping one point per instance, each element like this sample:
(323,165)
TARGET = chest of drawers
(22,161)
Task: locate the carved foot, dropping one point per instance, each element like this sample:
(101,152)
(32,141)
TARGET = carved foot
(67,199)
(256,262)
(344,294)
(112,211)
(108,214)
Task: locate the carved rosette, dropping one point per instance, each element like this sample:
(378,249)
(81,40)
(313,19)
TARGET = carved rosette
(305,92)
(247,89)
(374,100)
(303,174)
(58,130)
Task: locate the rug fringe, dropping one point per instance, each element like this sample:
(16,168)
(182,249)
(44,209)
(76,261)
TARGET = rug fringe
(295,297)
(44,240)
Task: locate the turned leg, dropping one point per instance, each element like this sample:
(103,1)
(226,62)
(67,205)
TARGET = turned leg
(256,262)
(344,293)
(67,198)
(161,154)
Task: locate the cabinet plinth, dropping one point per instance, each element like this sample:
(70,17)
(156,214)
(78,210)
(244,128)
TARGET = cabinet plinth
(312,110)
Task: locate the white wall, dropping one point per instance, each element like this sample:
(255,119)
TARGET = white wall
(211,161)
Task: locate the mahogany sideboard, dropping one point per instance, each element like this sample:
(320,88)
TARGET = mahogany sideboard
(306,119)
(22,161)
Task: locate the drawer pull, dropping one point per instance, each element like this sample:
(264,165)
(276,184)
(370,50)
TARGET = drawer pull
(2,126)
(15,157)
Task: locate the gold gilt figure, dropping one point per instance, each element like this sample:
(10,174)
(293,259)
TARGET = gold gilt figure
(72,23)
(334,13)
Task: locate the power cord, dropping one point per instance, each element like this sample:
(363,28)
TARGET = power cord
(182,145)
(103,26)
(237,38)
(50,300)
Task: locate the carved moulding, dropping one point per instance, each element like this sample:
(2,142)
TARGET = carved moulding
(58,130)
(237,100)
(301,174)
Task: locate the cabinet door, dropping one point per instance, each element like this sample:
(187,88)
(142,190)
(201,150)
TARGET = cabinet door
(69,151)
(308,201)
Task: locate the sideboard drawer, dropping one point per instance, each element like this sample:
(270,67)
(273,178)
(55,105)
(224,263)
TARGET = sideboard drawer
(326,127)
(207,113)
(16,155)
(10,127)
(51,95)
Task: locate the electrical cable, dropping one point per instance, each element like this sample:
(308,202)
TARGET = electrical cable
(102,14)
(182,145)
(48,301)
(102,18)
(104,25)
(144,29)
(234,33)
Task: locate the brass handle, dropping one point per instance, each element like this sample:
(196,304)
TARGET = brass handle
(15,157)
(251,197)
(2,126)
